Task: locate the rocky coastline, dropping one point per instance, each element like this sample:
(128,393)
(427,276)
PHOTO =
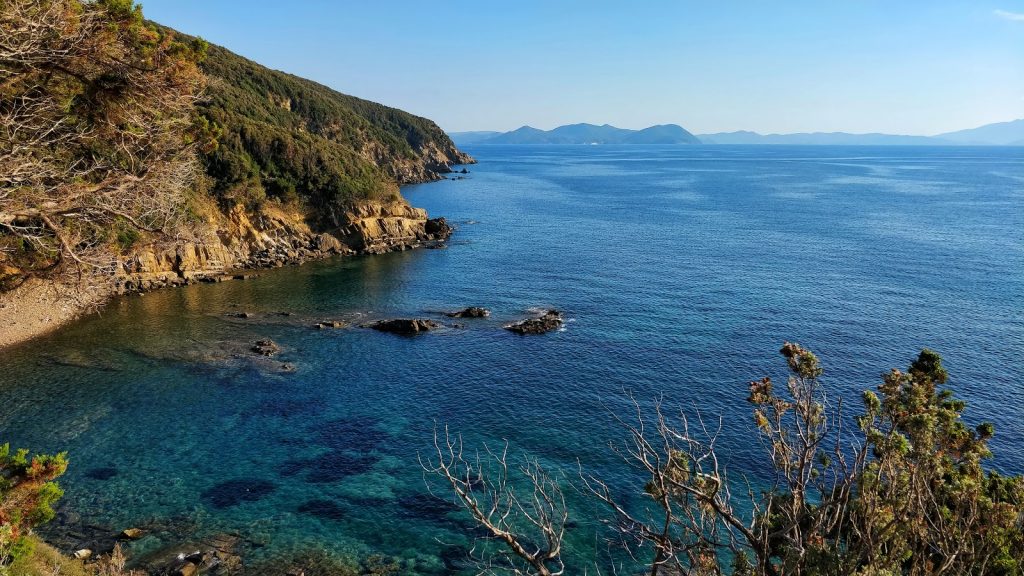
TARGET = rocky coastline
(275,238)
(231,244)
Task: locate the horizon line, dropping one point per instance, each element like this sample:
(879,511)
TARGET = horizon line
(874,133)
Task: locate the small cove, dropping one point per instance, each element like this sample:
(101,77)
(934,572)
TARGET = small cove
(680,270)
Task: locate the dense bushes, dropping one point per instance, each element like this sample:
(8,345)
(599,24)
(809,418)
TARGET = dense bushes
(102,115)
(292,139)
(27,495)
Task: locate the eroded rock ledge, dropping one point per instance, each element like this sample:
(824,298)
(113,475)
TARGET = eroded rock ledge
(236,240)
(274,238)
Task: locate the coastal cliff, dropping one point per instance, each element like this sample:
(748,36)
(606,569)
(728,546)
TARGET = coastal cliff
(273,238)
(268,238)
(288,171)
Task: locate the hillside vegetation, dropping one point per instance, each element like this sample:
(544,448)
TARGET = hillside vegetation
(117,133)
(285,137)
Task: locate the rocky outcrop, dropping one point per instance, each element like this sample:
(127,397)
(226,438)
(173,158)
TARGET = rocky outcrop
(433,159)
(374,228)
(231,242)
(471,312)
(327,324)
(266,347)
(405,326)
(549,321)
(273,238)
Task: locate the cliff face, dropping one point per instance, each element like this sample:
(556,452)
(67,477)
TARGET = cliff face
(431,161)
(334,160)
(273,238)
(294,171)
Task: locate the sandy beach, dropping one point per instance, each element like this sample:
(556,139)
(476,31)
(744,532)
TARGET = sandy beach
(37,307)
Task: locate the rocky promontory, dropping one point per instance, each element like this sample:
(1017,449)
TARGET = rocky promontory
(275,237)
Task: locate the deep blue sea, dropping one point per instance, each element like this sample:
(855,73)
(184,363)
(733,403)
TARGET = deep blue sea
(681,271)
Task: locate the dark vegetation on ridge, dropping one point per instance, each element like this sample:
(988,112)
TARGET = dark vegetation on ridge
(288,138)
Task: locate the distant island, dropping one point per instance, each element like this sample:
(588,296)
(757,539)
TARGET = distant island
(581,134)
(999,134)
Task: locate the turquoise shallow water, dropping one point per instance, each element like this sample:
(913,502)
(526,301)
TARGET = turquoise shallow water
(681,271)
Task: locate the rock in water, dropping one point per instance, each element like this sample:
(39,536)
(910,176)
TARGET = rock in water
(329,324)
(438,228)
(471,312)
(132,534)
(549,321)
(266,347)
(405,326)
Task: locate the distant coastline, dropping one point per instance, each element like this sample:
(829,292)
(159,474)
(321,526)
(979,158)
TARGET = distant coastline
(999,134)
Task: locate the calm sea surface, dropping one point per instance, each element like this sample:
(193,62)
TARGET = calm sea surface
(681,271)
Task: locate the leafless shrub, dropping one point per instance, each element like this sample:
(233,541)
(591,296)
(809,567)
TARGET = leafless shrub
(95,109)
(525,512)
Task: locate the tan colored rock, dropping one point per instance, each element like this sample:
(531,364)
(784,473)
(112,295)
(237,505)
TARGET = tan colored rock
(82,554)
(132,533)
(231,240)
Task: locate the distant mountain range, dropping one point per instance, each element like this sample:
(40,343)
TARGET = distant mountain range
(1000,134)
(582,134)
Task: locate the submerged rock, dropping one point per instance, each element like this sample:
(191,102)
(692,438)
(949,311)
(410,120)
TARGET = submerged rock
(329,324)
(320,508)
(405,326)
(551,320)
(102,473)
(266,347)
(471,312)
(234,492)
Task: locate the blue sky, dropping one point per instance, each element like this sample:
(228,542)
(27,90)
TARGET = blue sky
(907,66)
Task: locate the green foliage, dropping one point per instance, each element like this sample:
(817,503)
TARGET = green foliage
(295,139)
(904,493)
(116,110)
(126,236)
(27,495)
(910,496)
(925,499)
(45,560)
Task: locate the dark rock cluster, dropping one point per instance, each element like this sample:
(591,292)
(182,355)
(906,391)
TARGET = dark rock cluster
(405,326)
(471,312)
(266,347)
(549,321)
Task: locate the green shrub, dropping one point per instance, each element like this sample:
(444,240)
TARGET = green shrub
(27,495)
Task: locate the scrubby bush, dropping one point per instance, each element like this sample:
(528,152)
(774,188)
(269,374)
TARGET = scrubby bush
(28,492)
(902,490)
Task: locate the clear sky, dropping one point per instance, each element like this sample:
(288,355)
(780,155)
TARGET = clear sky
(896,66)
